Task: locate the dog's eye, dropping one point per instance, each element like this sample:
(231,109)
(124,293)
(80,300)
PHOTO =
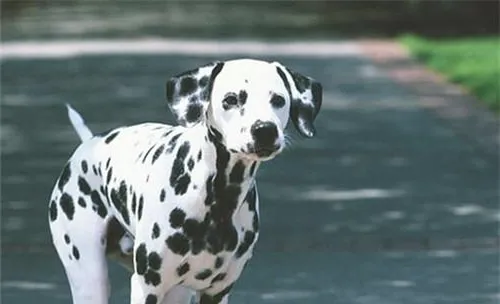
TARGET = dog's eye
(229,101)
(277,101)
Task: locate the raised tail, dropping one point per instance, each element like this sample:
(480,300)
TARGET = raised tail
(79,124)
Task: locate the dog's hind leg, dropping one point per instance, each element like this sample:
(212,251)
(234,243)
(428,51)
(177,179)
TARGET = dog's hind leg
(78,221)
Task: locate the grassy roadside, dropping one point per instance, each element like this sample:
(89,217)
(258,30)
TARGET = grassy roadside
(470,62)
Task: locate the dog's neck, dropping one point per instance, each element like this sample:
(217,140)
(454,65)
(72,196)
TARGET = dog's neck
(233,175)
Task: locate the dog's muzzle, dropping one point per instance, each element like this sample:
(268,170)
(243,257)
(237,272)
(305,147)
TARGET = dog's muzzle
(264,135)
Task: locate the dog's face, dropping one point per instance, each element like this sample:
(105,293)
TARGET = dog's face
(247,103)
(250,107)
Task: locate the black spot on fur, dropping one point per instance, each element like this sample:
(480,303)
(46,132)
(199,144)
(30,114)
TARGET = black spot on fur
(151,299)
(98,204)
(237,173)
(277,101)
(107,163)
(172,142)
(221,276)
(162,195)
(208,299)
(181,270)
(177,218)
(66,239)
(183,184)
(109,175)
(203,81)
(154,261)
(83,185)
(167,133)
(190,163)
(94,169)
(284,79)
(67,205)
(199,155)
(213,135)
(103,191)
(203,275)
(81,202)
(194,111)
(301,82)
(178,243)
(141,260)
(111,137)
(242,96)
(147,153)
(188,86)
(139,208)
(119,200)
(209,185)
(134,203)
(53,210)
(218,262)
(64,178)
(76,253)
(152,277)
(194,229)
(252,168)
(247,242)
(157,153)
(156,231)
(251,198)
(222,234)
(85,166)
(179,180)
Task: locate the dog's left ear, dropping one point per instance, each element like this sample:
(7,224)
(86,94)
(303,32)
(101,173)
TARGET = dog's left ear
(188,93)
(306,96)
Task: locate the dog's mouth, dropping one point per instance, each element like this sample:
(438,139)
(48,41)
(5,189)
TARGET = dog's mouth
(263,152)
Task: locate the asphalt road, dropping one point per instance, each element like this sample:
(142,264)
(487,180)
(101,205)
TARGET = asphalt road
(387,205)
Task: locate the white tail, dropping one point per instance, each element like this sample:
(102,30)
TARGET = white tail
(79,124)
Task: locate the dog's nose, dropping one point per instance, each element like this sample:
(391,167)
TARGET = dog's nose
(264,133)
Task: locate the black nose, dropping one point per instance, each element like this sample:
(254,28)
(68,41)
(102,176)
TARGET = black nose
(264,133)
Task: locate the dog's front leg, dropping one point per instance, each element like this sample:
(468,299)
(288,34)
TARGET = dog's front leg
(155,264)
(143,293)
(148,284)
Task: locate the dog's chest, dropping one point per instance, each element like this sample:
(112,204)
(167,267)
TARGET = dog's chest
(215,259)
(216,246)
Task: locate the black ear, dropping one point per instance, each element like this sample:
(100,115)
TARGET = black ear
(306,95)
(188,93)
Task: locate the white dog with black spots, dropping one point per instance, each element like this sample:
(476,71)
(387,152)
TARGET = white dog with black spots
(178,205)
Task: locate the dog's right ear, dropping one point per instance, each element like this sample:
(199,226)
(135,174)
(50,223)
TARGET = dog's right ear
(188,93)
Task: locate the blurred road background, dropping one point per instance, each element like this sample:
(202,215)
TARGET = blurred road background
(395,201)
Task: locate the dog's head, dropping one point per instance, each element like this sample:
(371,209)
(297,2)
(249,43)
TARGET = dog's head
(247,103)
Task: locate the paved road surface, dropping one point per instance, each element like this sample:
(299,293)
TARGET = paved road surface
(387,205)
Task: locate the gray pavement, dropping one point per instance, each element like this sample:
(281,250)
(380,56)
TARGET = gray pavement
(387,205)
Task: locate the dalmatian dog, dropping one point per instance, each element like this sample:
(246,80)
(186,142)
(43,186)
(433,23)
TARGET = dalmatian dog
(178,205)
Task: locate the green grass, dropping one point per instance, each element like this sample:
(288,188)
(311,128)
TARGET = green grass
(470,62)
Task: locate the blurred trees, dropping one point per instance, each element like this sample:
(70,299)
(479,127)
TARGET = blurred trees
(285,19)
